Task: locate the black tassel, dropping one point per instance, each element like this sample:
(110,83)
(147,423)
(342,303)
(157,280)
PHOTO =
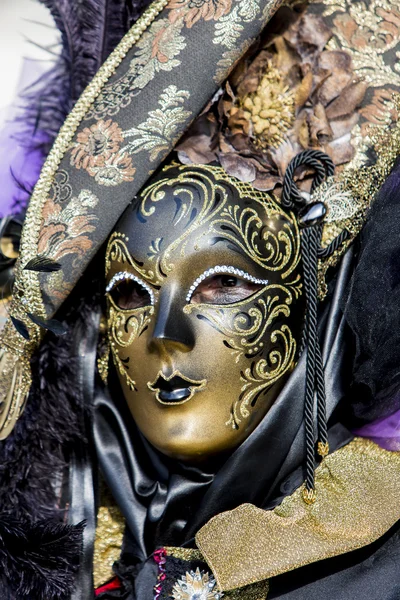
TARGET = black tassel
(42,264)
(39,560)
(51,325)
(310,217)
(21,328)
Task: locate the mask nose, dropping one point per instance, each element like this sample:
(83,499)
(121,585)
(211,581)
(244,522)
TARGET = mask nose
(172,329)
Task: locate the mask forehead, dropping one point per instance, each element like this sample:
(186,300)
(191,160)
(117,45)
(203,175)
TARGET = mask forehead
(199,214)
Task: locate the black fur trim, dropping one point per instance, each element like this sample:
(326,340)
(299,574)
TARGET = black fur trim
(40,560)
(34,463)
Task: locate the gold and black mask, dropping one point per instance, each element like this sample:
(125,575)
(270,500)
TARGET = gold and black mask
(205,308)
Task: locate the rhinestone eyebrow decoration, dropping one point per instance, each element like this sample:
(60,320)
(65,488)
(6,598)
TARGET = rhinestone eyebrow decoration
(123,275)
(223,270)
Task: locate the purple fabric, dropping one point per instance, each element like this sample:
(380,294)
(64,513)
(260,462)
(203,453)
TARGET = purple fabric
(384,432)
(22,151)
(20,165)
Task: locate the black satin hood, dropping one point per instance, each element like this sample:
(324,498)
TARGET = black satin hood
(165,502)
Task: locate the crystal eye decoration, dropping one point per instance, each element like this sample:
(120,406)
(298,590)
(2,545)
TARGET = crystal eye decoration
(196,585)
(223,270)
(126,275)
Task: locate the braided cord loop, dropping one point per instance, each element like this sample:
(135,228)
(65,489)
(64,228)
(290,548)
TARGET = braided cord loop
(311,250)
(314,159)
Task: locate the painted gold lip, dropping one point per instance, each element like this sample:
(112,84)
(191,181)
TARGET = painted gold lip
(181,391)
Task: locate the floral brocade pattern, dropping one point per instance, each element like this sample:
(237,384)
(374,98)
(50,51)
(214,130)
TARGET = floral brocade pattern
(147,94)
(97,150)
(370,33)
(323,76)
(135,120)
(162,46)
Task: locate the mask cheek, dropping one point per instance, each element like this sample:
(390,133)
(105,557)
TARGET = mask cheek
(261,347)
(124,328)
(271,354)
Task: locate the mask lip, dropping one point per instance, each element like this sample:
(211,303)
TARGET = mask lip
(193,387)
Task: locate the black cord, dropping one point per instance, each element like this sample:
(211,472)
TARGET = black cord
(334,245)
(319,162)
(311,250)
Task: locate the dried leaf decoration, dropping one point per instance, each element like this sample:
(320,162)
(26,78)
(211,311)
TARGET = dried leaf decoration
(42,264)
(288,94)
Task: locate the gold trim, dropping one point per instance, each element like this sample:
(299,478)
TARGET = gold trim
(110,529)
(15,352)
(200,385)
(323,449)
(187,554)
(259,591)
(358,502)
(309,495)
(31,229)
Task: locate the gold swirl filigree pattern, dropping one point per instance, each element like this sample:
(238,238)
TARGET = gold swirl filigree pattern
(253,329)
(117,251)
(272,251)
(125,326)
(211,208)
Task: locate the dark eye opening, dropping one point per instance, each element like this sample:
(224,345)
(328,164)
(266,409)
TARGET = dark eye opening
(224,289)
(129,294)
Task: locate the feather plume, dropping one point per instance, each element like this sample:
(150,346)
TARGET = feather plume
(90,30)
(43,264)
(51,325)
(40,560)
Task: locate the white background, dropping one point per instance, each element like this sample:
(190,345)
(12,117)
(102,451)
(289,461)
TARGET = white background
(16,32)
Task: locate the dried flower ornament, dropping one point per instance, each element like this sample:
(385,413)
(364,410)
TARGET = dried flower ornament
(290,94)
(270,109)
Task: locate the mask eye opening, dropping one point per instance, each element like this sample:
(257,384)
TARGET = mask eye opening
(129,292)
(231,275)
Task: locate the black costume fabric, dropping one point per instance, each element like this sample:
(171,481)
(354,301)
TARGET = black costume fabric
(373,308)
(68,427)
(165,503)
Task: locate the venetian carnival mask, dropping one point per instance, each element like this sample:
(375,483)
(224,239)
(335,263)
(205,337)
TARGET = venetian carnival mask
(205,308)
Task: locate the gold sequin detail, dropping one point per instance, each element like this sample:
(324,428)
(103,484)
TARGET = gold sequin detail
(15,351)
(256,591)
(188,554)
(358,501)
(108,542)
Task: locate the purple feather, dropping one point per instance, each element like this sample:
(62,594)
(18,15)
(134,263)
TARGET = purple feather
(384,432)
(90,30)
